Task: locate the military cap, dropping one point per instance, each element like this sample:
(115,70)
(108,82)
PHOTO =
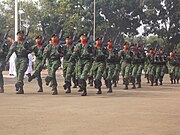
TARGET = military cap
(20,32)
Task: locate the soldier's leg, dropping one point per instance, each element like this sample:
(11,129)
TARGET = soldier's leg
(39,80)
(127,70)
(84,76)
(123,65)
(133,75)
(80,66)
(162,72)
(1,77)
(21,71)
(98,75)
(1,82)
(52,74)
(109,77)
(69,72)
(158,69)
(139,72)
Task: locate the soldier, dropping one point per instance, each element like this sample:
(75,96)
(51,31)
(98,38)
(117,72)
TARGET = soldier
(52,53)
(68,66)
(125,55)
(38,49)
(99,63)
(177,67)
(134,65)
(83,51)
(3,54)
(117,67)
(22,49)
(160,61)
(172,64)
(110,64)
(141,60)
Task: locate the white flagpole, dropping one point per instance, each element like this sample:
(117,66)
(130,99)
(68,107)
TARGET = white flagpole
(94,30)
(16,19)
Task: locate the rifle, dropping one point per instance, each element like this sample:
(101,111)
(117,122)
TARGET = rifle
(116,38)
(26,37)
(105,32)
(5,37)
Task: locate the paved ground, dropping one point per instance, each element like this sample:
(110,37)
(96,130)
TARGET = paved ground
(145,111)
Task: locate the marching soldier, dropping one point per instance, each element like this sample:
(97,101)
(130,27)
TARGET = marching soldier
(99,63)
(38,51)
(3,54)
(151,66)
(52,53)
(22,49)
(160,61)
(172,64)
(117,67)
(68,65)
(141,60)
(83,51)
(110,64)
(126,59)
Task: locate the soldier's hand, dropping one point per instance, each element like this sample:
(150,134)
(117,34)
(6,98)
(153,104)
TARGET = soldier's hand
(75,48)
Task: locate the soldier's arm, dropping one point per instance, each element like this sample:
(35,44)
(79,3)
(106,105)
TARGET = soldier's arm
(46,54)
(11,51)
(75,53)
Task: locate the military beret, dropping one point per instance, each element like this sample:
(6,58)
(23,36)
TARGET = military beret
(69,37)
(83,34)
(54,35)
(109,40)
(39,36)
(98,39)
(20,32)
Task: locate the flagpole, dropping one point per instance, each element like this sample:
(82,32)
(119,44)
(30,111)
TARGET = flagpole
(16,19)
(94,30)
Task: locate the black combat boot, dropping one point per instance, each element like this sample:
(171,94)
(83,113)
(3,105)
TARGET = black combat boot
(82,85)
(126,82)
(109,86)
(139,81)
(30,78)
(133,82)
(178,81)
(98,85)
(91,81)
(21,90)
(156,82)
(1,89)
(75,84)
(40,89)
(48,79)
(55,92)
(151,77)
(68,86)
(40,84)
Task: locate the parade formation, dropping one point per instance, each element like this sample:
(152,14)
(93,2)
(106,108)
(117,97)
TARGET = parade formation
(95,62)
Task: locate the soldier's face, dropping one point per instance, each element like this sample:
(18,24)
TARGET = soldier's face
(68,40)
(98,42)
(109,43)
(20,36)
(38,40)
(54,39)
(83,38)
